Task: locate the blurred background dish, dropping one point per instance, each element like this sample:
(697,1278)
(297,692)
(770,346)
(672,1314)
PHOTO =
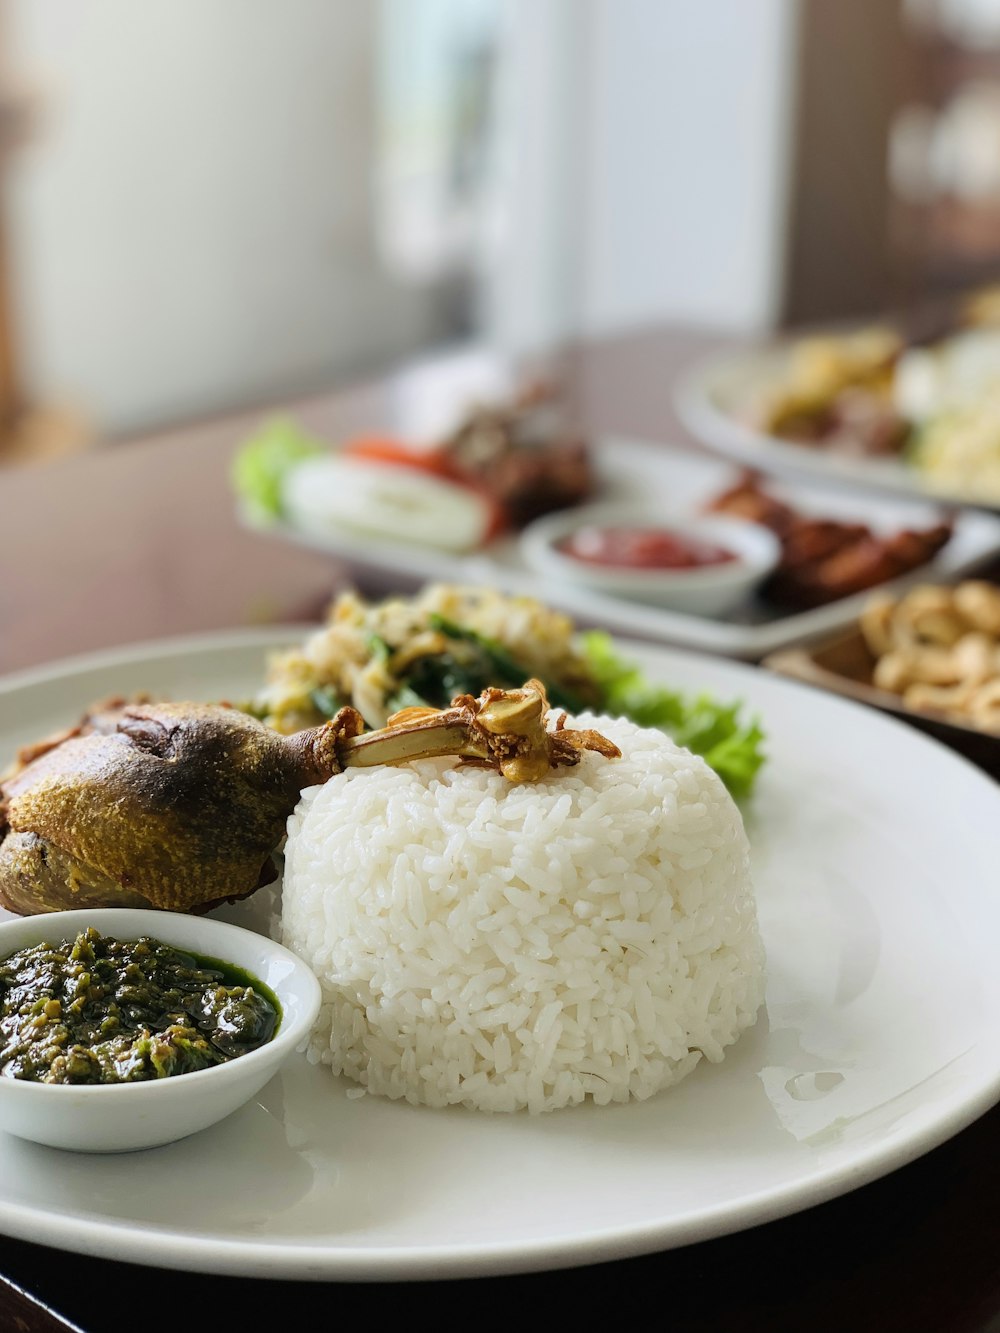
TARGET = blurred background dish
(932,651)
(864,406)
(930,656)
(701,564)
(833,548)
(506,460)
(368,499)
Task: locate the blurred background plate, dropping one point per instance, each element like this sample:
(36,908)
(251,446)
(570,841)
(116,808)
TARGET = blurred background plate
(707,398)
(681,481)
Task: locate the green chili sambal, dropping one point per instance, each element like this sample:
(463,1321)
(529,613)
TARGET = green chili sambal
(102,1010)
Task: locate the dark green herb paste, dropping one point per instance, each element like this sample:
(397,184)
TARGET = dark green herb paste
(101,1010)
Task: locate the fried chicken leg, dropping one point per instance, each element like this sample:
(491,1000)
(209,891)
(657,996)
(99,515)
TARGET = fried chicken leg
(181,806)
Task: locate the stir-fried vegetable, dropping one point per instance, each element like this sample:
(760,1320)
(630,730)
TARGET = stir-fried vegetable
(499,666)
(424,651)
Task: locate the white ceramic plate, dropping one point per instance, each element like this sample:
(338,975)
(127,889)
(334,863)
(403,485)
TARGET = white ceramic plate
(874,857)
(679,481)
(707,402)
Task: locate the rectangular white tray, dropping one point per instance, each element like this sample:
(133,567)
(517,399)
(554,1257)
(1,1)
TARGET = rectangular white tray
(682,480)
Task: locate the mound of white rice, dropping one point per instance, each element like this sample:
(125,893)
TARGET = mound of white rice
(506,946)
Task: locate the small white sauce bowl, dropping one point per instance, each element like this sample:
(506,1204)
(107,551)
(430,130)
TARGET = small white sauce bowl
(120,1117)
(709,590)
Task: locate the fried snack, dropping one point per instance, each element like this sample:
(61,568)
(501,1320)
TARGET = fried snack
(824,559)
(523,454)
(938,649)
(835,392)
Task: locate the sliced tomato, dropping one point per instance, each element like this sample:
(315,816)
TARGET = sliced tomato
(387,449)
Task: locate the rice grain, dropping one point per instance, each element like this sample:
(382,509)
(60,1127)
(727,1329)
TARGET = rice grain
(500,947)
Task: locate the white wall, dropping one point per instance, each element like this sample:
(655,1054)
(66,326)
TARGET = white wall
(531,243)
(194,227)
(665,151)
(687,161)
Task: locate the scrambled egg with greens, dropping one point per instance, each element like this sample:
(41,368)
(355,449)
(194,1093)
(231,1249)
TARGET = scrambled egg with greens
(402,652)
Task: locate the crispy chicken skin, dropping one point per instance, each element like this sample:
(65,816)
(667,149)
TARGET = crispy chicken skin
(175,806)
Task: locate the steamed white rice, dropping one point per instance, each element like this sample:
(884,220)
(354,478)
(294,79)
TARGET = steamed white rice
(503,947)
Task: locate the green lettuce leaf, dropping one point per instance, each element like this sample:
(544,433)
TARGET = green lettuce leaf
(727,742)
(261,464)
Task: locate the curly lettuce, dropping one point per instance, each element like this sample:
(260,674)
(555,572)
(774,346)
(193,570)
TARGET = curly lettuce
(730,744)
(261,464)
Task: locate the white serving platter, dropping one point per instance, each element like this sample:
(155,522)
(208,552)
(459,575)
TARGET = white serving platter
(680,480)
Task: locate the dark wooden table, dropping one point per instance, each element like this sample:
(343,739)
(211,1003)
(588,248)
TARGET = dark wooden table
(138,540)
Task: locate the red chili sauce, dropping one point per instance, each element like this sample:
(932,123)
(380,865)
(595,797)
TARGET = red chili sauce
(643,548)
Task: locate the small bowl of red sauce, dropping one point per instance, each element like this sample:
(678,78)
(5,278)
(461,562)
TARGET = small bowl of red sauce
(706,565)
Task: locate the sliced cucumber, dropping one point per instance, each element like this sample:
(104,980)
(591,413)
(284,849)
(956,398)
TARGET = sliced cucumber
(327,495)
